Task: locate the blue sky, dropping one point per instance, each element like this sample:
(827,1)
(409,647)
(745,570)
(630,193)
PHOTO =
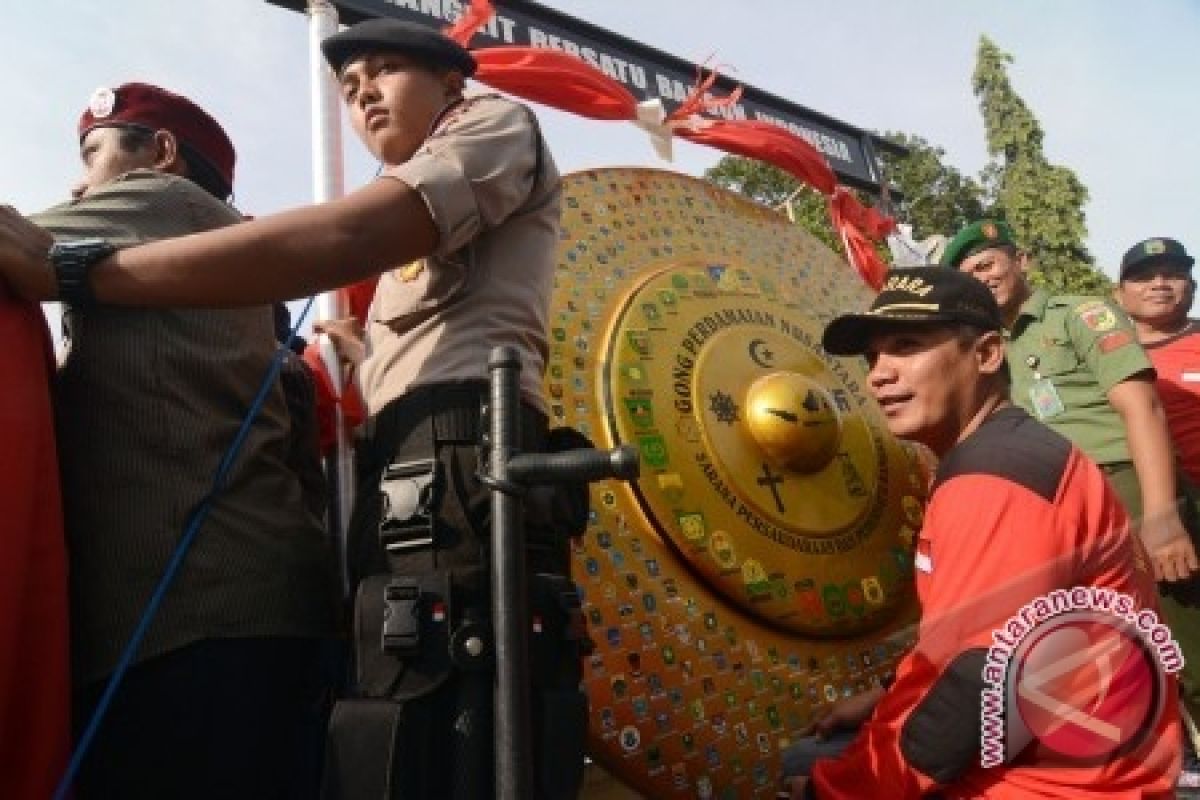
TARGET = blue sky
(1111,81)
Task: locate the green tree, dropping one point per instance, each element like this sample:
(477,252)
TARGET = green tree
(934,196)
(774,188)
(1042,201)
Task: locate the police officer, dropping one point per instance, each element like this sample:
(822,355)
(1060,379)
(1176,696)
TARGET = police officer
(463,219)
(1076,365)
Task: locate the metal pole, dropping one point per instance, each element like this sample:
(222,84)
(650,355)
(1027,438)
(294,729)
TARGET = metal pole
(510,615)
(328,184)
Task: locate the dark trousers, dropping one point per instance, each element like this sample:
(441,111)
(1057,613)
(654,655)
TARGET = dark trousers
(220,718)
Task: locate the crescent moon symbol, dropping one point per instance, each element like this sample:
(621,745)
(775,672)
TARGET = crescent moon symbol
(760,355)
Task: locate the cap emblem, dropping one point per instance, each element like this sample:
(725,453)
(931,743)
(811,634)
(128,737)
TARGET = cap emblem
(102,102)
(1155,247)
(908,283)
(989,230)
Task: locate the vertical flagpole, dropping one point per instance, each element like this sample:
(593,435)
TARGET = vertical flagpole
(328,184)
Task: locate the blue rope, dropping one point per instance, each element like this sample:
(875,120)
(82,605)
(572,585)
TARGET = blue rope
(195,520)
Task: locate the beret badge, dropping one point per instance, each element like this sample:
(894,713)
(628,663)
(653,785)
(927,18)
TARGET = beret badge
(102,102)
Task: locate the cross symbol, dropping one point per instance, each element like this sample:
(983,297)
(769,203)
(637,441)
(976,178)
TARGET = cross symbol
(772,482)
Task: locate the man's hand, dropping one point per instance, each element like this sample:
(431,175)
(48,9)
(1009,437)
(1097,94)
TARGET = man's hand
(24,265)
(348,337)
(794,788)
(848,713)
(1170,547)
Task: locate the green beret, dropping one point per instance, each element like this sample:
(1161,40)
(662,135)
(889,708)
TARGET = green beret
(977,237)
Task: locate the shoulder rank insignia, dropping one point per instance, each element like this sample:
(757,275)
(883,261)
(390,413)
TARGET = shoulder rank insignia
(410,272)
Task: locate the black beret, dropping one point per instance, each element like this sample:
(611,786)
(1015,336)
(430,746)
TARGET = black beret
(383,35)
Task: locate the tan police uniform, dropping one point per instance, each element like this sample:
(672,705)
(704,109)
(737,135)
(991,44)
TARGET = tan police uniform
(493,192)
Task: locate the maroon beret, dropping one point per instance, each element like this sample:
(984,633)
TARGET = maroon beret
(141,105)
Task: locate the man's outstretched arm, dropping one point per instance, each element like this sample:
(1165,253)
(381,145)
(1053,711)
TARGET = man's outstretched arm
(280,257)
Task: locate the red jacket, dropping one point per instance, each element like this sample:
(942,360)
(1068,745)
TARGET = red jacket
(1017,513)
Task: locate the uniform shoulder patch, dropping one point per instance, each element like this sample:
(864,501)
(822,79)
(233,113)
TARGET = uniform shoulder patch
(1097,315)
(1114,341)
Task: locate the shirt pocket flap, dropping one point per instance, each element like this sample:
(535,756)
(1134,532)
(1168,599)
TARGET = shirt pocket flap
(416,288)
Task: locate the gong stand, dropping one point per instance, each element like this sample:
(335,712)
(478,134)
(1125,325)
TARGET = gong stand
(510,474)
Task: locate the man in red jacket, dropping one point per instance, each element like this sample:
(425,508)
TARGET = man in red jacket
(1040,669)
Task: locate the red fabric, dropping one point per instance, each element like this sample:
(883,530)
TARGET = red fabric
(359,296)
(34,671)
(353,410)
(474,17)
(767,142)
(1177,362)
(700,99)
(555,79)
(977,566)
(869,221)
(855,224)
(565,82)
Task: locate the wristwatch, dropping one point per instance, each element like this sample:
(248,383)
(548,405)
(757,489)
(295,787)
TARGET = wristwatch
(73,262)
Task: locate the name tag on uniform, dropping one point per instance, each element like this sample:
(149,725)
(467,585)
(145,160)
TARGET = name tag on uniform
(1045,400)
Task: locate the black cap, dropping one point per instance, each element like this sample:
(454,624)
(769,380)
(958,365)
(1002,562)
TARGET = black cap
(917,295)
(1155,251)
(393,35)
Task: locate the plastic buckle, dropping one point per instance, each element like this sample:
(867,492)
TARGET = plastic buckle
(401,616)
(409,495)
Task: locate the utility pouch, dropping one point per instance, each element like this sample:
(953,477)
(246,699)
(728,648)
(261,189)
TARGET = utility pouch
(402,630)
(560,638)
(409,493)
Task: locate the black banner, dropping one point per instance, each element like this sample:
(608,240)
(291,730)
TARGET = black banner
(645,71)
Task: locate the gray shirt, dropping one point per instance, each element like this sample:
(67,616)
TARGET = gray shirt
(147,401)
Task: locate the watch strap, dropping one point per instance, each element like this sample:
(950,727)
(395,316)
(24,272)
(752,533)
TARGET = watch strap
(73,262)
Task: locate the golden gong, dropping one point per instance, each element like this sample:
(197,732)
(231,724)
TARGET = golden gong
(761,564)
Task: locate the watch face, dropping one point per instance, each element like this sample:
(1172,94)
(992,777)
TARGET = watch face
(72,262)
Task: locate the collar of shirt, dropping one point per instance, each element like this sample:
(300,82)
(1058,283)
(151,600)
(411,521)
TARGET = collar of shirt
(1035,306)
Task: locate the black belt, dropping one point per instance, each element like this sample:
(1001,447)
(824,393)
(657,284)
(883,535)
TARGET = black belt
(453,411)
